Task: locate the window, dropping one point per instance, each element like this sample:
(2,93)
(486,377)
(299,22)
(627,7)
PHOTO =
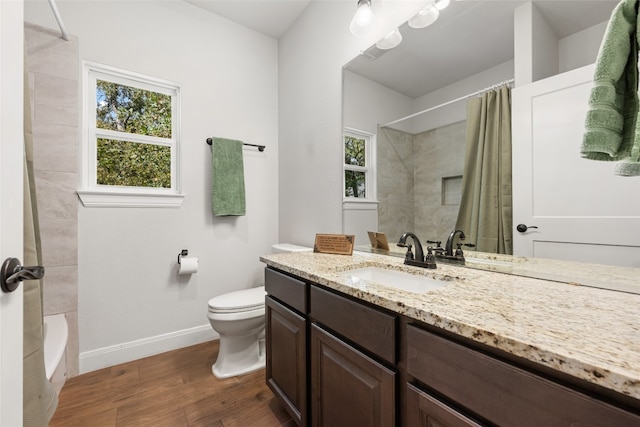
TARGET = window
(130,150)
(358,165)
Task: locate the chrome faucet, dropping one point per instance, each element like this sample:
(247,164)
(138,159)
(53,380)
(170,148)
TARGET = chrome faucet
(448,248)
(419,260)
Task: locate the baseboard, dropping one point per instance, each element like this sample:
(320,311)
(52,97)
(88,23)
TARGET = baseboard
(126,352)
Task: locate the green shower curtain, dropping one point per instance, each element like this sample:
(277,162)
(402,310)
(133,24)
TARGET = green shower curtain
(39,399)
(485,213)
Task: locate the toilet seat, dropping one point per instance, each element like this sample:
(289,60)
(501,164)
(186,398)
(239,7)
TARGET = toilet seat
(238,301)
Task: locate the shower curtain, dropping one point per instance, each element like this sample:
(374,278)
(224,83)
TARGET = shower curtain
(485,213)
(39,399)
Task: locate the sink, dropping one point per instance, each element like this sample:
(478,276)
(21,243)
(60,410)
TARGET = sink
(394,279)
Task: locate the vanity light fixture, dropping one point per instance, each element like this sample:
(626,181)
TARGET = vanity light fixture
(426,16)
(363,22)
(441,4)
(390,41)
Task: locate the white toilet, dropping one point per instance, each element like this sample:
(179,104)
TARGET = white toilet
(239,319)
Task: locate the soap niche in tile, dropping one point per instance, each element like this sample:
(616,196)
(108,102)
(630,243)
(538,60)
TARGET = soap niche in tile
(451,190)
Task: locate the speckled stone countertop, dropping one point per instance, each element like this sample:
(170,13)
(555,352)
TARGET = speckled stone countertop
(586,332)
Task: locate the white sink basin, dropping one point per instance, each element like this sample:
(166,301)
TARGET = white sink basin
(394,279)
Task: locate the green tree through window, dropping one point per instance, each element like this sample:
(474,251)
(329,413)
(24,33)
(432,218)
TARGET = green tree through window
(356,164)
(136,111)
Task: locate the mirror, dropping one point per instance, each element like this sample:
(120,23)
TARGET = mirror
(469,48)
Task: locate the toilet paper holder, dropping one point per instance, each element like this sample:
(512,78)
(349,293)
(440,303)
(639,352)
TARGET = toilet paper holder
(182,253)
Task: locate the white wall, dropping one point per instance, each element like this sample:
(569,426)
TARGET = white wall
(366,104)
(131,301)
(457,111)
(581,48)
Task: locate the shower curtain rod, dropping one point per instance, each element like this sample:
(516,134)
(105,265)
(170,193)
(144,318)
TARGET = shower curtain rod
(56,14)
(506,82)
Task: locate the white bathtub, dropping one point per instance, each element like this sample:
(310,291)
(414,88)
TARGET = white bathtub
(56,332)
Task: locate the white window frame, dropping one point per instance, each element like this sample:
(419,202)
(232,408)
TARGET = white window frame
(369,169)
(93,195)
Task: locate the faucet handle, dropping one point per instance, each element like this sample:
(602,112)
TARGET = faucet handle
(409,254)
(430,259)
(459,248)
(435,242)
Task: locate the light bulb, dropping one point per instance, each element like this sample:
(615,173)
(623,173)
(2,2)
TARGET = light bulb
(424,17)
(390,41)
(441,4)
(362,24)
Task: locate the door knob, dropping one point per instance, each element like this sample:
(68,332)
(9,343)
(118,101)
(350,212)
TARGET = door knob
(12,273)
(522,228)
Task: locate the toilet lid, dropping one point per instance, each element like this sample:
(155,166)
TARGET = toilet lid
(244,300)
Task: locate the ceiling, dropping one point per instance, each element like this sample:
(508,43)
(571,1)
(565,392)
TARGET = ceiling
(469,37)
(270,17)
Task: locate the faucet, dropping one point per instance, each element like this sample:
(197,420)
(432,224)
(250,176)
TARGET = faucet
(419,260)
(448,248)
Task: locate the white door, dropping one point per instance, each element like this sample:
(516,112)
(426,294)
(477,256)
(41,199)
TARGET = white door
(11,168)
(582,210)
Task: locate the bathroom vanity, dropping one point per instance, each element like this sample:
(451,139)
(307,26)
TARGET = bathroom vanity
(482,348)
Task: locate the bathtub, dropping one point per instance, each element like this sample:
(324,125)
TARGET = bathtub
(56,333)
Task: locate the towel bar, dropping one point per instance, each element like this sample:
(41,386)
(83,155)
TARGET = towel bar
(260,147)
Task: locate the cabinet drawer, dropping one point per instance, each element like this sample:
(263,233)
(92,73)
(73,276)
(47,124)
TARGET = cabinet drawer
(502,393)
(290,291)
(370,328)
(425,410)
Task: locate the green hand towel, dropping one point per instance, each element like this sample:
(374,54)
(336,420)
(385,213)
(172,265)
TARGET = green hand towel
(228,177)
(612,132)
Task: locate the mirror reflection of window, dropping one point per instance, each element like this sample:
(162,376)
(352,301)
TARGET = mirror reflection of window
(358,167)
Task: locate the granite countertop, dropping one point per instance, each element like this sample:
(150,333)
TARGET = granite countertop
(589,333)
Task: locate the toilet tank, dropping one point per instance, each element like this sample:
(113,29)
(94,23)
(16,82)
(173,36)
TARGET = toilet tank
(280,248)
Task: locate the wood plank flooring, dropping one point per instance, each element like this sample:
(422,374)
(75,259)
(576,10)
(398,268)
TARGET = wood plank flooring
(173,389)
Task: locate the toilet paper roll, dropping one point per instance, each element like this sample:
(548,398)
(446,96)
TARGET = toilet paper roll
(188,265)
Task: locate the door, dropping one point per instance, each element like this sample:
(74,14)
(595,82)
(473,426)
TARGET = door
(11,169)
(582,211)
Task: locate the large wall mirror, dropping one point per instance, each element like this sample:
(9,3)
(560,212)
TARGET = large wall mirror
(470,47)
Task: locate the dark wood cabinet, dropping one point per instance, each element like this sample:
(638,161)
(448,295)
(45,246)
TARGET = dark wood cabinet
(286,342)
(348,388)
(335,361)
(286,365)
(500,392)
(427,411)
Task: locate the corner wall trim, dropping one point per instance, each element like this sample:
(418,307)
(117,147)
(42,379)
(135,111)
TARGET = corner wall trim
(126,352)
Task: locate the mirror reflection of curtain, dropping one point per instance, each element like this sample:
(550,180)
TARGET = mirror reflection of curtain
(485,213)
(39,398)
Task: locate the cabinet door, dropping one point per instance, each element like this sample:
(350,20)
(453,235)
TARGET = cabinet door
(347,387)
(286,340)
(425,410)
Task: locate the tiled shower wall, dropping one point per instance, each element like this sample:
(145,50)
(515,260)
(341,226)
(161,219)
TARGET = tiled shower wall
(439,154)
(411,170)
(53,67)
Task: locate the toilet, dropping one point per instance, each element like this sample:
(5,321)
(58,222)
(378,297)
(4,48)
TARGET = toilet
(239,319)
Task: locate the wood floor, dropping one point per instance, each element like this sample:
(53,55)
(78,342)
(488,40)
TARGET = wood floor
(173,389)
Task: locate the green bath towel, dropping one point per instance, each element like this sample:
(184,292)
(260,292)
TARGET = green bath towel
(228,177)
(612,132)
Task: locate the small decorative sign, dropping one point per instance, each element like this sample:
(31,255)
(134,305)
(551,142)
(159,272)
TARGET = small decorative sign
(378,240)
(340,244)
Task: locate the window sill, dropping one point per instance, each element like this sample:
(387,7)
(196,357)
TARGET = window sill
(359,204)
(105,199)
